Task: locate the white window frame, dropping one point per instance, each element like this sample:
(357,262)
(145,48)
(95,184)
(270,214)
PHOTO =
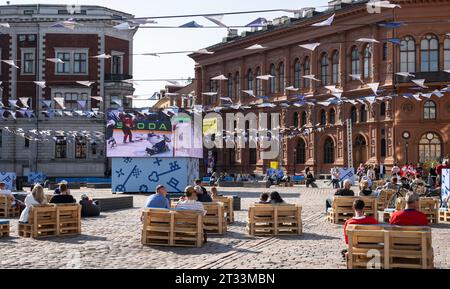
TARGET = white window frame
(79,91)
(24,51)
(72,51)
(117,54)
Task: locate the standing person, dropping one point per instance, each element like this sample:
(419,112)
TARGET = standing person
(432,175)
(64,197)
(361,171)
(335,178)
(127,125)
(376,169)
(371,174)
(359,218)
(439,169)
(410,216)
(395,170)
(346,191)
(159,200)
(109,135)
(36,198)
(202,196)
(310,180)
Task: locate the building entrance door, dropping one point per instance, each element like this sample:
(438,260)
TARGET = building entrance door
(359,151)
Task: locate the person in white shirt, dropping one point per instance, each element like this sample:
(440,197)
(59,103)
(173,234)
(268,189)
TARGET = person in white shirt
(189,202)
(371,174)
(36,198)
(7,193)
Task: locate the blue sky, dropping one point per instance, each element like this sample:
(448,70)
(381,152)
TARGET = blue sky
(157,40)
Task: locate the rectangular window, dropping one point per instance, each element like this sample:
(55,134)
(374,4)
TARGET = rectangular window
(70,100)
(63,67)
(28,63)
(79,63)
(117,65)
(80,148)
(61,147)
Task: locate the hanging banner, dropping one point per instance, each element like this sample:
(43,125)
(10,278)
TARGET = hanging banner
(36,178)
(349,143)
(347,174)
(9,179)
(445,188)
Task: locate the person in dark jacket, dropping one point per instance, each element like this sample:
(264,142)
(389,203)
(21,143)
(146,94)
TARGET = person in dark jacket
(202,196)
(64,198)
(345,192)
(88,207)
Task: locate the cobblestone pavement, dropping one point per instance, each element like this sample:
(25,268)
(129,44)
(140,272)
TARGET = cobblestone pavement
(113,241)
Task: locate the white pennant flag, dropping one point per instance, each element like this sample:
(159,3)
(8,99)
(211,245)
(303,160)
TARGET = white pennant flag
(371,99)
(368,40)
(312,77)
(226,99)
(437,93)
(41,84)
(124,26)
(85,83)
(55,60)
(310,46)
(419,82)
(203,51)
(323,103)
(5,25)
(102,56)
(97,98)
(11,63)
(60,101)
(374,86)
(291,88)
(249,92)
(333,88)
(256,47)
(220,77)
(405,74)
(265,77)
(118,102)
(356,77)
(381,4)
(216,19)
(448,71)
(210,93)
(327,22)
(13,103)
(24,101)
(337,94)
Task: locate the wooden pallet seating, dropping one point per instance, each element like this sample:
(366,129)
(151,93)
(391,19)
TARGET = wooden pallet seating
(444,215)
(383,199)
(342,208)
(274,220)
(214,222)
(4,228)
(389,247)
(428,206)
(172,228)
(52,220)
(228,205)
(6,209)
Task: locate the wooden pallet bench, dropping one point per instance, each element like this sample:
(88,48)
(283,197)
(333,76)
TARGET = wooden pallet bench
(4,228)
(228,205)
(52,220)
(342,208)
(214,222)
(444,215)
(172,228)
(274,220)
(428,206)
(388,247)
(383,199)
(6,209)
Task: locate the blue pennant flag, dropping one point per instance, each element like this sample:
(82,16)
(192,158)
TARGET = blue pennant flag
(391,24)
(257,22)
(191,24)
(395,41)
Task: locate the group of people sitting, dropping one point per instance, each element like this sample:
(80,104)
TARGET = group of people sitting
(273,198)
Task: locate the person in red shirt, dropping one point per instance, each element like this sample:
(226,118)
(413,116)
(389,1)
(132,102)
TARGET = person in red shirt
(359,218)
(410,216)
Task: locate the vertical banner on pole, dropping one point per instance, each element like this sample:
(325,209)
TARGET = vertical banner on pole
(445,188)
(349,143)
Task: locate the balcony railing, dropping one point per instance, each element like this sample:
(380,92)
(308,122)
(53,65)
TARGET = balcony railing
(437,76)
(117,77)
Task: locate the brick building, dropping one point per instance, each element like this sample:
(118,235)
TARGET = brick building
(31,40)
(395,128)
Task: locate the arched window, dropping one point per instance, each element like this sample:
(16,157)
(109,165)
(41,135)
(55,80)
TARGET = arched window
(250,80)
(324,69)
(306,71)
(231,156)
(430,148)
(335,68)
(363,114)
(368,61)
(332,116)
(355,61)
(383,148)
(328,157)
(297,73)
(385,51)
(429,110)
(301,152)
(230,86)
(383,109)
(408,55)
(295,119)
(259,87)
(237,85)
(447,54)
(304,120)
(252,156)
(353,115)
(281,79)
(273,80)
(429,54)
(323,117)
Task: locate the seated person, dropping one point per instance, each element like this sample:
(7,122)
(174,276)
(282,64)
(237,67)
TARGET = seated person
(57,190)
(202,195)
(9,195)
(410,216)
(359,217)
(190,202)
(214,192)
(88,207)
(37,197)
(158,200)
(392,185)
(275,199)
(364,189)
(405,183)
(345,192)
(64,197)
(264,199)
